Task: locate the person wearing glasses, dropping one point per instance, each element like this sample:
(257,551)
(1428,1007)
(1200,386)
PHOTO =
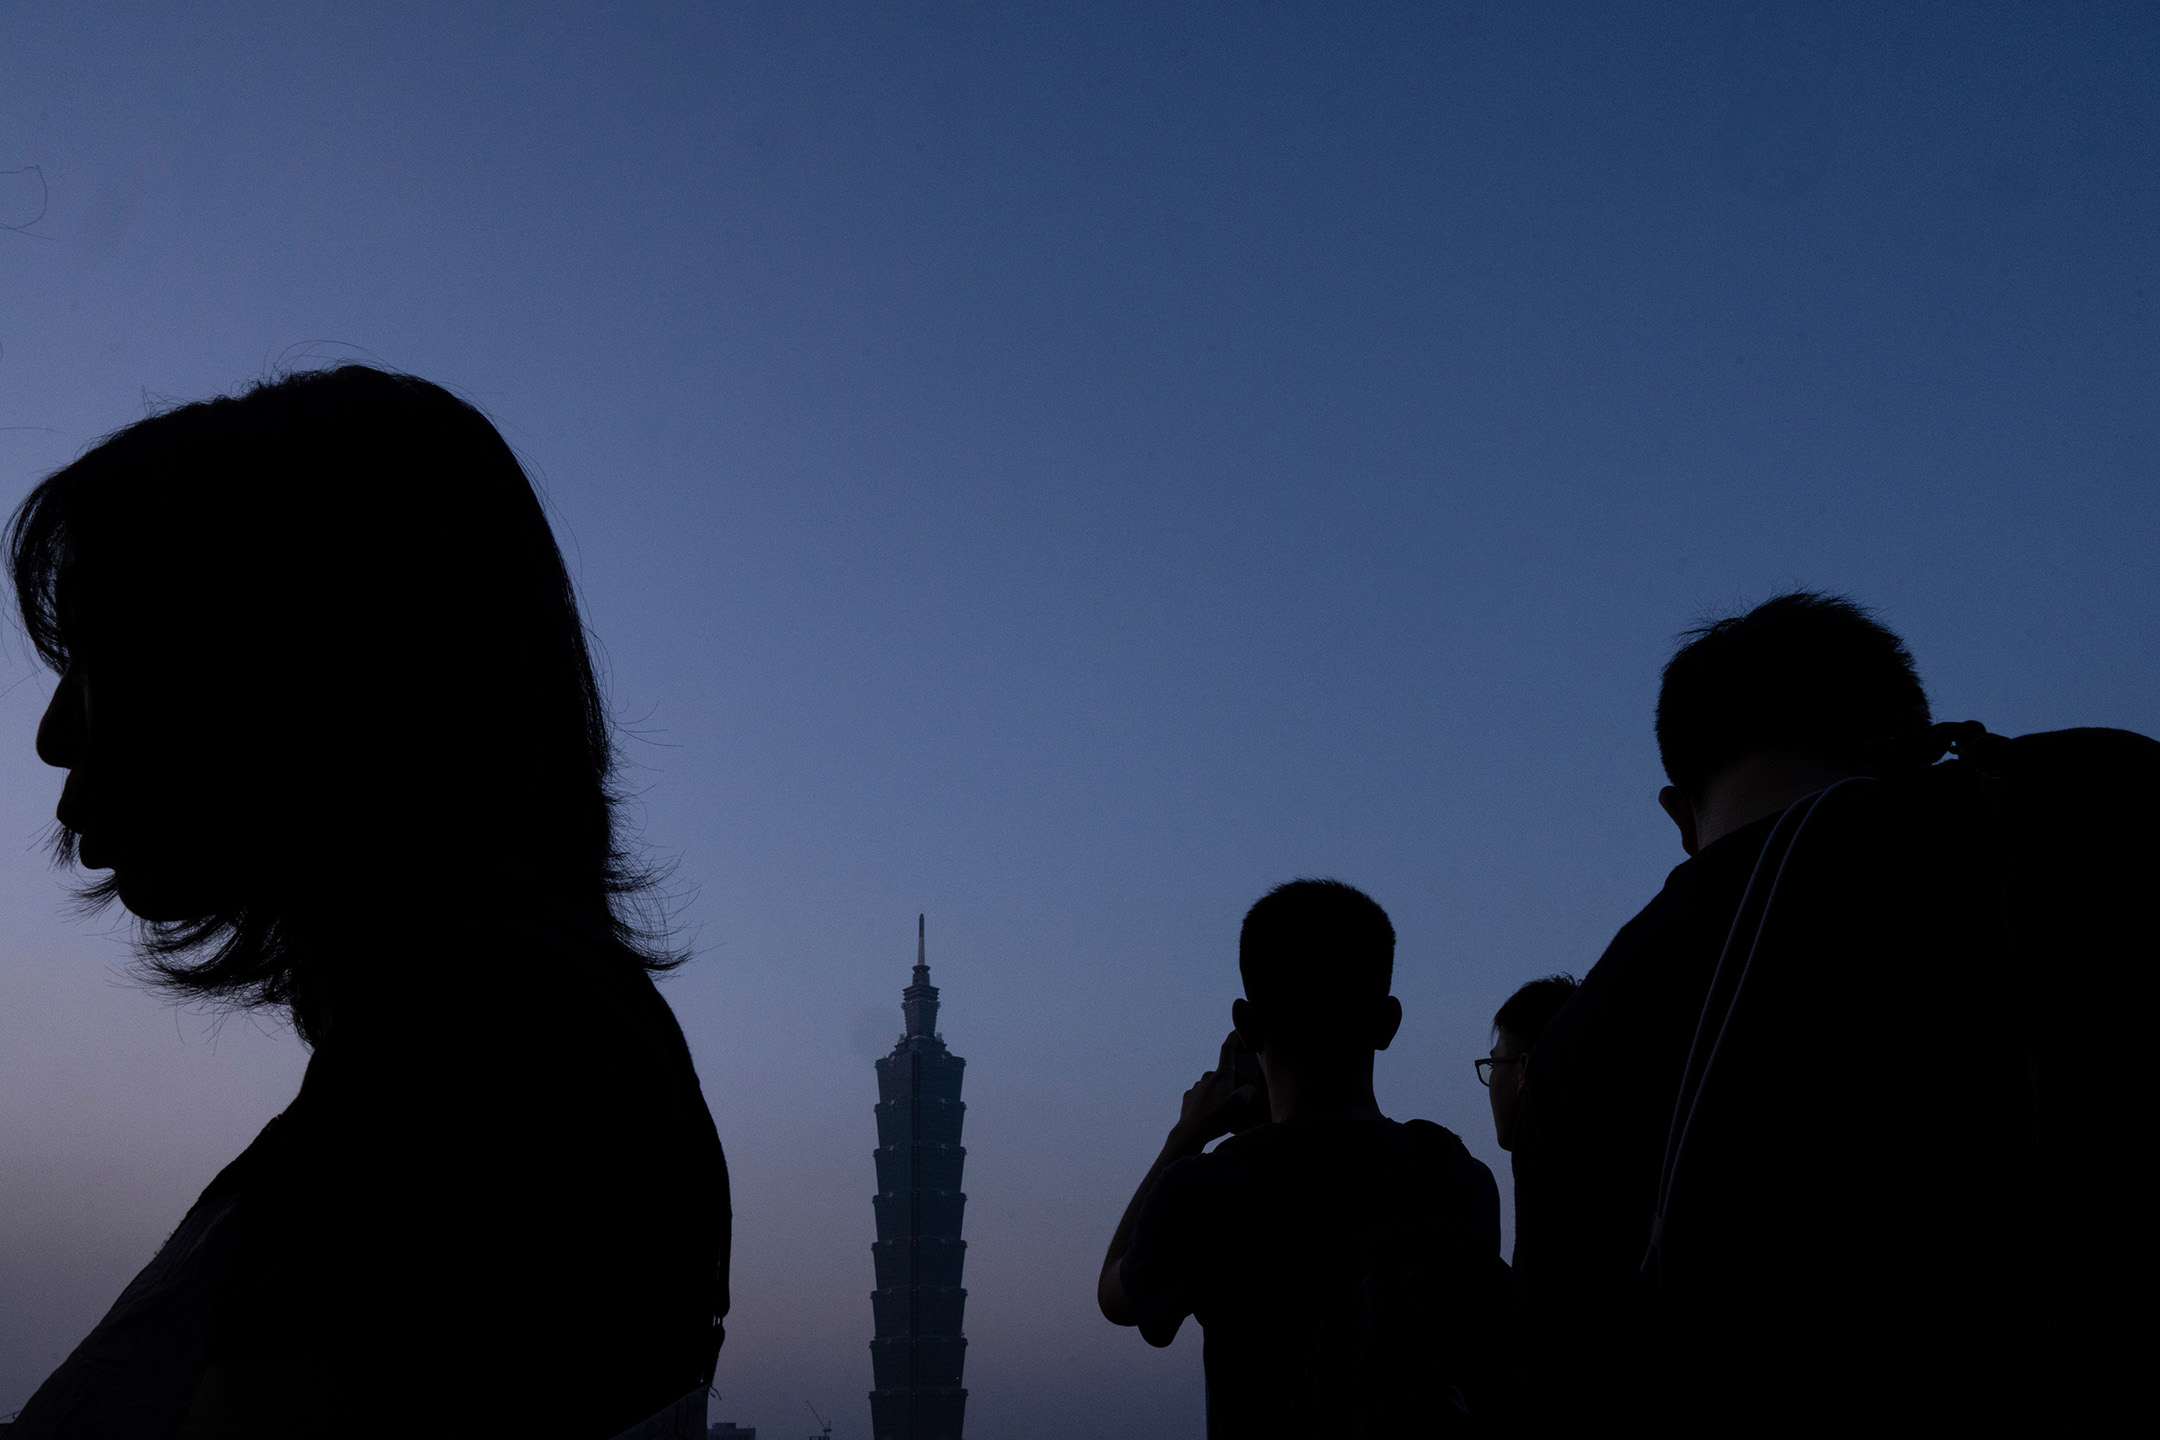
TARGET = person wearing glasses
(1515,1029)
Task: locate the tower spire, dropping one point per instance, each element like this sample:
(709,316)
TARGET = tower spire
(919,1001)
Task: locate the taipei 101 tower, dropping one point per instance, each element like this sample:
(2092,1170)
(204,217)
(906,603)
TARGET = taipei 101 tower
(916,1357)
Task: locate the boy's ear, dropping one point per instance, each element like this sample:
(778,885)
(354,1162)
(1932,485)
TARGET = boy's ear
(1246,1021)
(1386,1023)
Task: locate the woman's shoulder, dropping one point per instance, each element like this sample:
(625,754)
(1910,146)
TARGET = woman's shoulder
(512,1004)
(543,963)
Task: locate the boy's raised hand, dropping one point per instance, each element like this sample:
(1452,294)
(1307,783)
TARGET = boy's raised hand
(1211,1106)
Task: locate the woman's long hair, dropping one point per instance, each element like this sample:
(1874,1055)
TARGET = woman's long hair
(341,587)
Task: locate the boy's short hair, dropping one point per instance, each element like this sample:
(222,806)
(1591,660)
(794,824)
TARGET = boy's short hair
(1313,954)
(1531,1008)
(1808,673)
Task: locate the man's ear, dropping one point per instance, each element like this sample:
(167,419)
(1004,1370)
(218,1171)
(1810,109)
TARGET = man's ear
(1246,1021)
(1683,815)
(1387,1023)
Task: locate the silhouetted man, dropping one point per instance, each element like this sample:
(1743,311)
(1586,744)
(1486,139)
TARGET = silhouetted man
(1344,1268)
(1755,712)
(1778,1160)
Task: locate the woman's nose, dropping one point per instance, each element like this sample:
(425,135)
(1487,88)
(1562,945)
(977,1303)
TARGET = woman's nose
(61,733)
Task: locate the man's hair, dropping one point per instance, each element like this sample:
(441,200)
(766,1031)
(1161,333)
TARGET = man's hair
(1529,1009)
(1808,673)
(349,572)
(1313,954)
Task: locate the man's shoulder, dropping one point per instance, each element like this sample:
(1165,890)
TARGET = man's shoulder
(1433,1135)
(1432,1139)
(1704,884)
(1614,1052)
(1669,940)
(1472,1195)
(1337,1172)
(1336,1144)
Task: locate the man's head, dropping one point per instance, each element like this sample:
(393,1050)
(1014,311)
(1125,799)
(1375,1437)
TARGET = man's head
(1758,709)
(1317,957)
(1515,1029)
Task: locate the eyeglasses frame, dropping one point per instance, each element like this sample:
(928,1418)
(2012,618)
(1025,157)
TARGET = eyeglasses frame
(1484,1063)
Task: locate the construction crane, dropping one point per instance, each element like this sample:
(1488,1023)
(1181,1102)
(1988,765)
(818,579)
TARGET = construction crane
(824,1425)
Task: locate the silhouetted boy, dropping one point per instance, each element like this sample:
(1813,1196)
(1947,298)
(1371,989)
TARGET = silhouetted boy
(1345,1268)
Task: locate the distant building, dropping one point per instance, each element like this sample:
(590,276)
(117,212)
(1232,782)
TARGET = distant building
(725,1430)
(916,1357)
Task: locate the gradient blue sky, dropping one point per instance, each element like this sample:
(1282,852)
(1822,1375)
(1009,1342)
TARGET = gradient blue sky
(1065,468)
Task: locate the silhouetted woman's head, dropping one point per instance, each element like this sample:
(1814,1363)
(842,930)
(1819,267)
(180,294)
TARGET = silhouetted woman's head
(321,668)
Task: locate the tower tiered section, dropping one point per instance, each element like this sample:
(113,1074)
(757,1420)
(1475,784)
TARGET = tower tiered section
(916,1357)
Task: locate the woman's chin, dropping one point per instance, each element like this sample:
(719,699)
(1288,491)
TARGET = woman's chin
(158,897)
